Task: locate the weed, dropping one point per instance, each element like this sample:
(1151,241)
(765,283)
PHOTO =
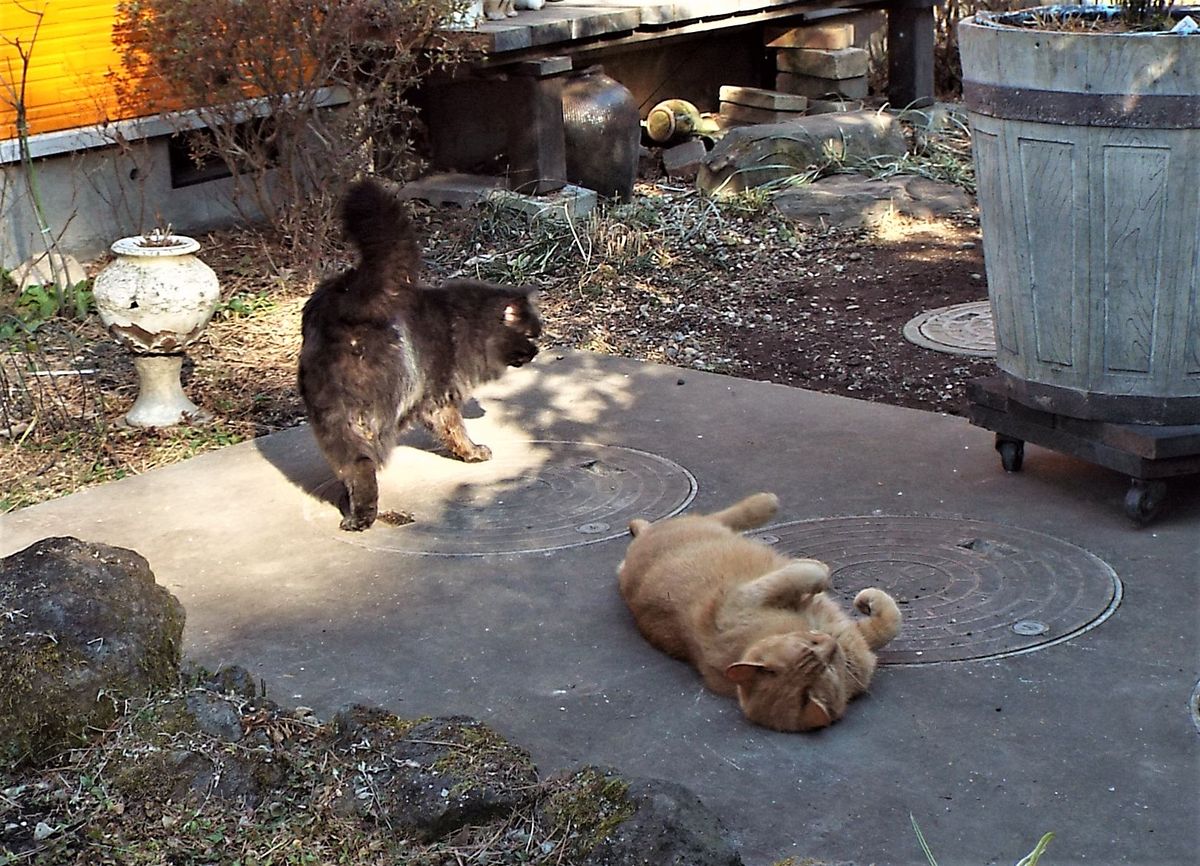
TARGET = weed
(1030,859)
(244,305)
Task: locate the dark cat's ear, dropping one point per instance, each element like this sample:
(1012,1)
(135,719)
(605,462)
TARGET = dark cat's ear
(515,311)
(520,310)
(740,673)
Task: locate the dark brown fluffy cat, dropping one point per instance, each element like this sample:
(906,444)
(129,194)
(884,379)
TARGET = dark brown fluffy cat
(380,350)
(753,622)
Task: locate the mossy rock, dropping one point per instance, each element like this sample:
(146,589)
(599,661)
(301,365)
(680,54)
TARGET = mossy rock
(610,820)
(428,778)
(82,627)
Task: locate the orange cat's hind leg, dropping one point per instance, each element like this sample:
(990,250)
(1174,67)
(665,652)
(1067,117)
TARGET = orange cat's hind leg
(638,525)
(751,512)
(883,617)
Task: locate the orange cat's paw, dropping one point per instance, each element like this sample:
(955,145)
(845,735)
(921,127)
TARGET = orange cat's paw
(867,601)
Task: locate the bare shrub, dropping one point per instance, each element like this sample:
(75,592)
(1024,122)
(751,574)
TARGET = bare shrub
(295,97)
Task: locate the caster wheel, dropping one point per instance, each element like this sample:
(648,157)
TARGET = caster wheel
(1012,454)
(1144,500)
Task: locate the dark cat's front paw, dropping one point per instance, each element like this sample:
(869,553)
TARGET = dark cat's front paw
(353,523)
(478,454)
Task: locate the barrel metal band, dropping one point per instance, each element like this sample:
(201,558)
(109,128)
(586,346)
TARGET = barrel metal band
(1139,111)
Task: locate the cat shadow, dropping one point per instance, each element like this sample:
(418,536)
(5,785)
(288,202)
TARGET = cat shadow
(298,458)
(300,461)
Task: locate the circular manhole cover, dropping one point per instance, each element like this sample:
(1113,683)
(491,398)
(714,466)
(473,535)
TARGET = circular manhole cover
(537,496)
(1195,706)
(963,329)
(968,589)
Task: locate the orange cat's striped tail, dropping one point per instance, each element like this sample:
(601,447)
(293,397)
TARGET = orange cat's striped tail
(751,512)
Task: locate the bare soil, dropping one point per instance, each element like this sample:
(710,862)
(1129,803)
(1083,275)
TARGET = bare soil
(733,288)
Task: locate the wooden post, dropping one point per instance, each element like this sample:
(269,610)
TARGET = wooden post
(910,52)
(537,153)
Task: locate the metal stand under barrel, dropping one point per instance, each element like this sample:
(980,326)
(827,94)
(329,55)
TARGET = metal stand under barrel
(1147,453)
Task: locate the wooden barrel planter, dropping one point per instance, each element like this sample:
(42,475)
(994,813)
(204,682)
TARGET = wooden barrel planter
(1086,154)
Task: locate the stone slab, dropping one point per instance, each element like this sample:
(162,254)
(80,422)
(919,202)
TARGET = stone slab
(462,190)
(570,203)
(830,36)
(757,97)
(816,88)
(684,160)
(747,114)
(853,200)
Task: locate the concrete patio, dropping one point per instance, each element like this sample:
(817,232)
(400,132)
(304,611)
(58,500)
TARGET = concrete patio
(1069,706)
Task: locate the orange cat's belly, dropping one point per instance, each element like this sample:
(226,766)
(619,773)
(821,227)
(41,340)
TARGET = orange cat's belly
(672,589)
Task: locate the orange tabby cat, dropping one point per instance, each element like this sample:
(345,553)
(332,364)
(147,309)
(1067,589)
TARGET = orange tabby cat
(753,622)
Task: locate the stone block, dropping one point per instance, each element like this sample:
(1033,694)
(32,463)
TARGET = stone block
(755,97)
(462,190)
(831,36)
(731,111)
(684,160)
(49,269)
(815,87)
(823,63)
(569,203)
(831,106)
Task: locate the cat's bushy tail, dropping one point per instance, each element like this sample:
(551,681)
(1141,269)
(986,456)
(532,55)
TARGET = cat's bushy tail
(378,224)
(751,512)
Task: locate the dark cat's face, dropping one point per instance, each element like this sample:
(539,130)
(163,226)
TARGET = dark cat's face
(522,326)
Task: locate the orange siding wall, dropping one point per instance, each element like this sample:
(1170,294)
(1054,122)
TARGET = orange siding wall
(67,81)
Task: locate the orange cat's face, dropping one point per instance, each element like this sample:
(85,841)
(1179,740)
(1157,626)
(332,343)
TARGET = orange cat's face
(792,682)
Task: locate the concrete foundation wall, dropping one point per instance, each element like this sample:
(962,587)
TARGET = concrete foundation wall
(91,198)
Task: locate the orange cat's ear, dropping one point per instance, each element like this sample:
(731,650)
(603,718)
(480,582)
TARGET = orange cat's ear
(815,715)
(638,525)
(741,673)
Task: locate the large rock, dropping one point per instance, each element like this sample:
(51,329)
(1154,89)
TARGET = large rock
(81,627)
(612,821)
(751,156)
(204,744)
(428,778)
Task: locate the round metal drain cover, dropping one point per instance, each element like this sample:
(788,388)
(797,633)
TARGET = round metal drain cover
(1194,706)
(536,496)
(963,329)
(968,589)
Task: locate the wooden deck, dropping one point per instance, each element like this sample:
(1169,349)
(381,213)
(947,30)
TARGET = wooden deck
(569,21)
(575,26)
(509,103)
